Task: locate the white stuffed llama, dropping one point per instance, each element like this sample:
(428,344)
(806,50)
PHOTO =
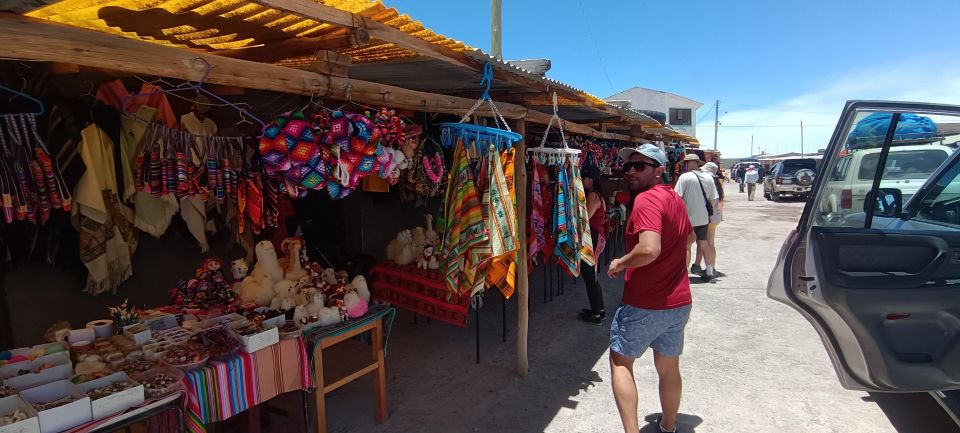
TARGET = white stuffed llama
(329,316)
(258,287)
(432,237)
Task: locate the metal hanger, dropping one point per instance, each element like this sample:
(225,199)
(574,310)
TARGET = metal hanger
(198,87)
(21,94)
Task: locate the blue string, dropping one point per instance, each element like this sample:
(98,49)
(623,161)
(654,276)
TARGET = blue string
(28,97)
(487,79)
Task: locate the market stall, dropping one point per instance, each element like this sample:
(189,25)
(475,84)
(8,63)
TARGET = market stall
(229,161)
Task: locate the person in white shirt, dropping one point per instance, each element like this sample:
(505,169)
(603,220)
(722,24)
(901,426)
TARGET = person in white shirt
(700,196)
(752,177)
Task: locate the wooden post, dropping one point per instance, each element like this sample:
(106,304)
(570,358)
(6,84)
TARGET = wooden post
(523,283)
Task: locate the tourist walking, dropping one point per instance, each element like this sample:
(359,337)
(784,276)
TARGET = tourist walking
(656,294)
(751,177)
(711,170)
(700,195)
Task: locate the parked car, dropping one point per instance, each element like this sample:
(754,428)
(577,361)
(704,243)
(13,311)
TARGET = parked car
(790,177)
(880,284)
(908,167)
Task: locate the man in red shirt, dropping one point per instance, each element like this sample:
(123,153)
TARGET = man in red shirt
(656,293)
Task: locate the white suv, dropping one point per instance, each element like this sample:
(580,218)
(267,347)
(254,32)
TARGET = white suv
(908,167)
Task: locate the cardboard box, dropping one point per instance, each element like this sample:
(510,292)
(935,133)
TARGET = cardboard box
(140,337)
(255,342)
(10,404)
(63,417)
(160,321)
(62,369)
(114,403)
(230,319)
(12,370)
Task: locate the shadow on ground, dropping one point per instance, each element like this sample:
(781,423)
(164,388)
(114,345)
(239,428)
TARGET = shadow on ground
(915,412)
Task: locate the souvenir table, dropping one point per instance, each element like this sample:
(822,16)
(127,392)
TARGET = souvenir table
(339,340)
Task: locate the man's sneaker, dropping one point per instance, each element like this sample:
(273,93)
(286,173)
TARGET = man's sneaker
(591,318)
(696,269)
(710,277)
(603,313)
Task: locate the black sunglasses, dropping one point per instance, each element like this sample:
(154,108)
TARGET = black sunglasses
(638,166)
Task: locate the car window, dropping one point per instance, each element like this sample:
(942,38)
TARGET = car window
(840,173)
(908,164)
(915,153)
(942,202)
(790,167)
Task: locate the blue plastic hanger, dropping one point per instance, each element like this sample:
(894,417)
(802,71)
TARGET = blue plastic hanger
(28,97)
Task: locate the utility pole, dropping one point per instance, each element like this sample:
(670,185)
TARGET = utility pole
(716,123)
(751,145)
(801,139)
(496,35)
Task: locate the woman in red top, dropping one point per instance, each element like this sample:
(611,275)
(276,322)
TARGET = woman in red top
(597,209)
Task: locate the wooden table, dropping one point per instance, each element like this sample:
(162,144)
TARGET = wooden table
(349,354)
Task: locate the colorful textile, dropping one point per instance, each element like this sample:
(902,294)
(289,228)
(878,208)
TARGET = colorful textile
(538,221)
(114,94)
(567,247)
(222,389)
(503,269)
(583,219)
(467,232)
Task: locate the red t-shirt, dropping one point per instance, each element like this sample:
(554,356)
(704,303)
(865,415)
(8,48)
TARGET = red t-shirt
(662,284)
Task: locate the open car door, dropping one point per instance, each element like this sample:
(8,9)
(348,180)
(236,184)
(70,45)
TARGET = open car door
(881,284)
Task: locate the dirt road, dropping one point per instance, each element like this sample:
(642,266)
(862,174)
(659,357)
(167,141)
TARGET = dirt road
(750,364)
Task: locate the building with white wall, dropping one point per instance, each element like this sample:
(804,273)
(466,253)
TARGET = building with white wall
(678,111)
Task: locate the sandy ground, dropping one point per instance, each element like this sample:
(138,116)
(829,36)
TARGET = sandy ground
(750,364)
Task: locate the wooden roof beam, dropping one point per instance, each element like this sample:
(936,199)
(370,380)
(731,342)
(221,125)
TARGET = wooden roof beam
(33,39)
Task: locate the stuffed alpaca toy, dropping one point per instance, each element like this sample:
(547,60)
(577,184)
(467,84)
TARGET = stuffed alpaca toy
(330,277)
(292,264)
(284,289)
(287,305)
(396,246)
(355,305)
(239,269)
(258,286)
(299,314)
(359,283)
(432,237)
(407,254)
(315,305)
(329,316)
(423,261)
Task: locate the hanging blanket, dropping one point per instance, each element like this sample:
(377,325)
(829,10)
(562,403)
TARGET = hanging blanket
(567,247)
(538,220)
(467,231)
(107,236)
(503,269)
(583,219)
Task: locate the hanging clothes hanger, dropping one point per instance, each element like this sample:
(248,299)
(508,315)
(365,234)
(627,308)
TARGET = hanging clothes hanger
(198,87)
(554,155)
(500,136)
(40,108)
(349,101)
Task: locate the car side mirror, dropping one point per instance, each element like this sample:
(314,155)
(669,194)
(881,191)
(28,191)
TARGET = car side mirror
(888,202)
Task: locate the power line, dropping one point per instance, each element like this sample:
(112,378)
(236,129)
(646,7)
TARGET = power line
(770,126)
(785,111)
(596,47)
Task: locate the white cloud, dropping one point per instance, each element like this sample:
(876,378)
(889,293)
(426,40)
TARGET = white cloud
(922,79)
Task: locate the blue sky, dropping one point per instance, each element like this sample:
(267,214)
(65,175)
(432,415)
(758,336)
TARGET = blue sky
(770,63)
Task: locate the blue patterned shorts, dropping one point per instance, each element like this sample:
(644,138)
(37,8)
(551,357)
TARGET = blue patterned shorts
(634,329)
